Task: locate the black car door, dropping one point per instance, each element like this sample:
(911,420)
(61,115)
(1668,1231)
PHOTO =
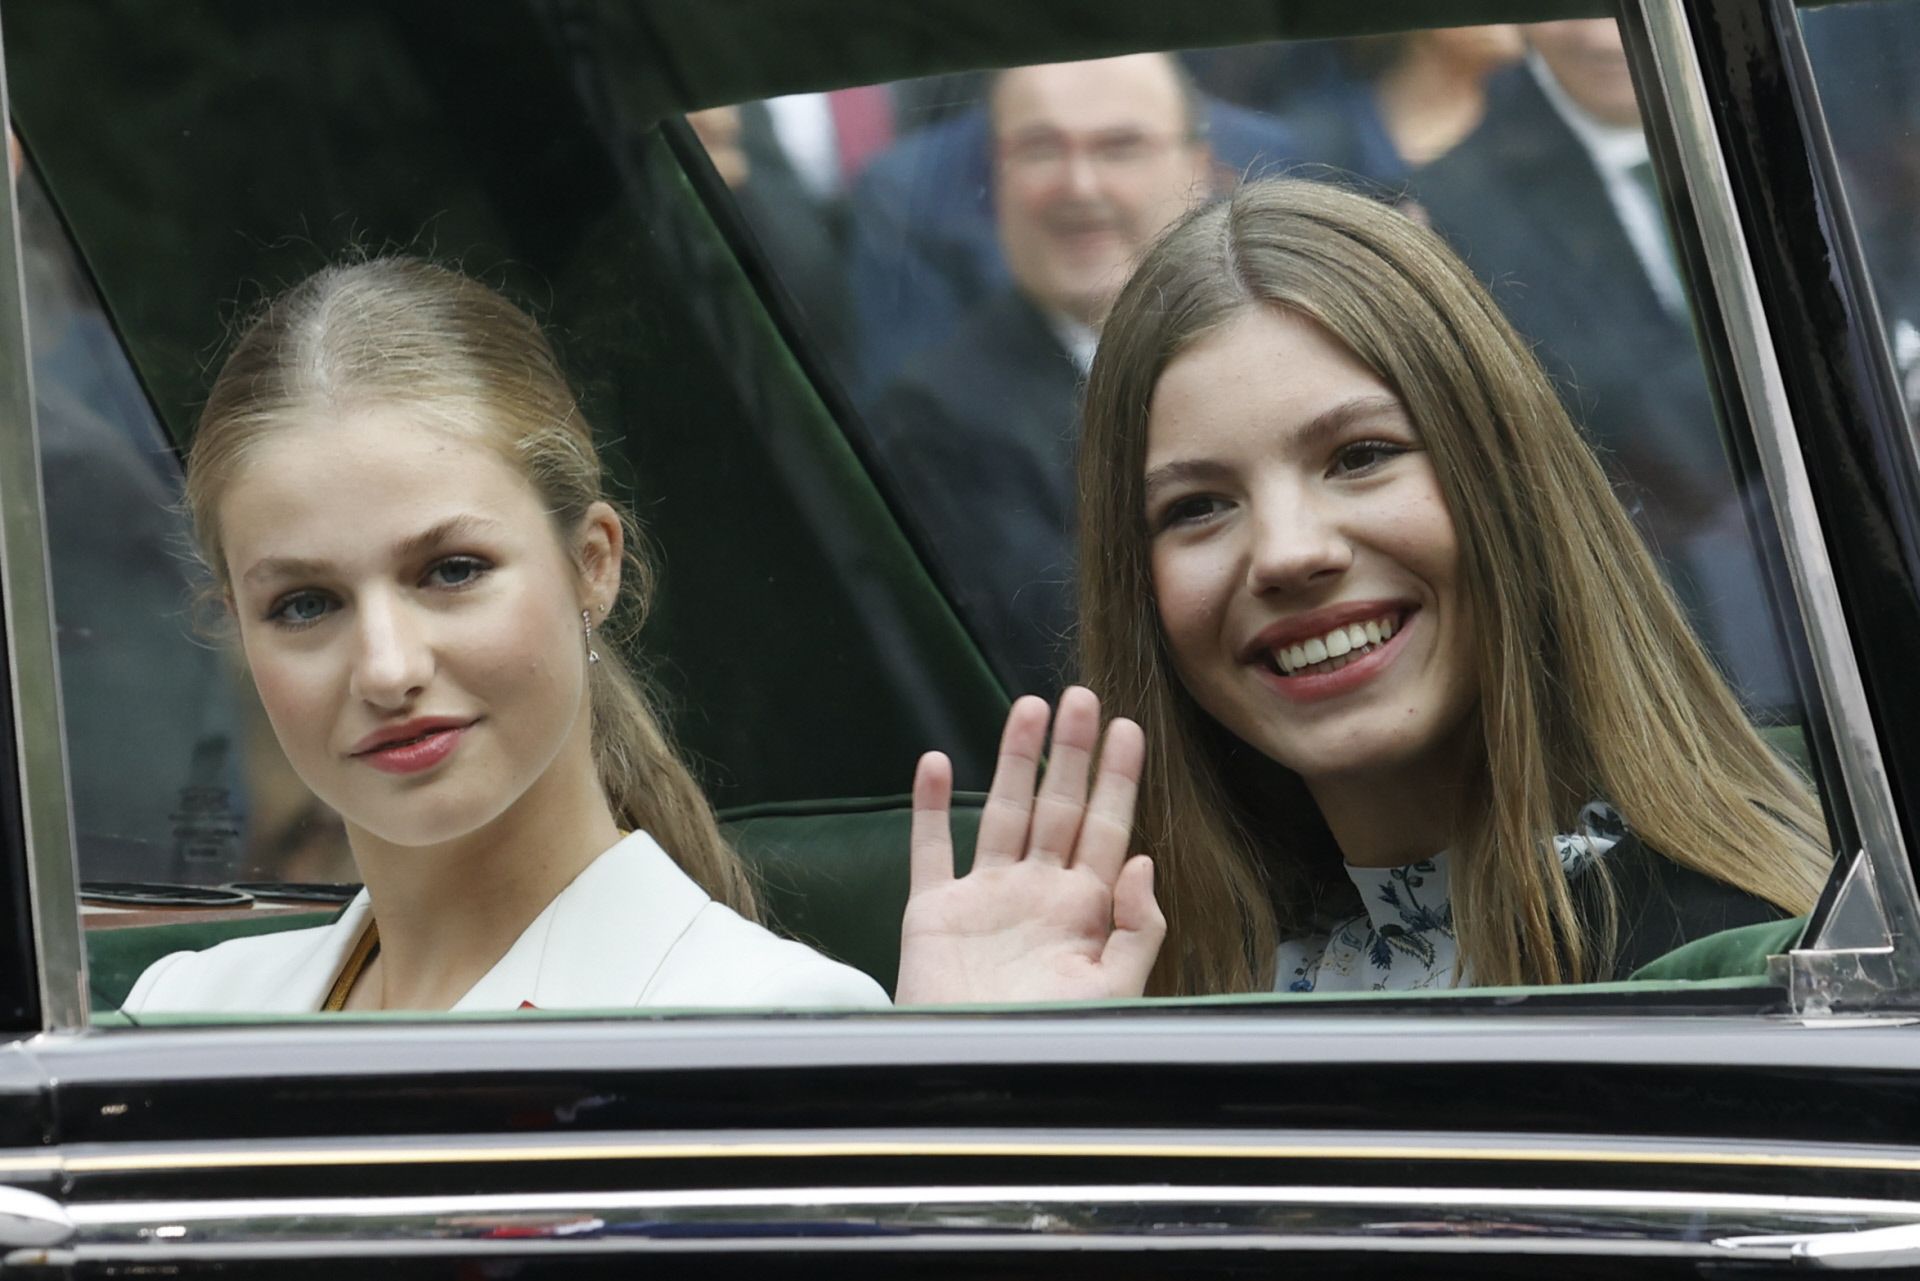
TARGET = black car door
(189,158)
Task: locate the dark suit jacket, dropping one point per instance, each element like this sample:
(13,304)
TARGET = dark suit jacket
(924,249)
(977,436)
(1524,205)
(802,235)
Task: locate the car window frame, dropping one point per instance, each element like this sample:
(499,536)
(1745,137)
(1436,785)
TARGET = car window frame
(45,845)
(42,952)
(1822,386)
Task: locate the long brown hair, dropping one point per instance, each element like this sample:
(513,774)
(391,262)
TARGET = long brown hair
(409,334)
(1592,685)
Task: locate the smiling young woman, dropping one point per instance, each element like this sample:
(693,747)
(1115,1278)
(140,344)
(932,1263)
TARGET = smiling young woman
(400,503)
(1391,636)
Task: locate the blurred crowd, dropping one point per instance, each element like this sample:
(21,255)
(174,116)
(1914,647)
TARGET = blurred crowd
(952,246)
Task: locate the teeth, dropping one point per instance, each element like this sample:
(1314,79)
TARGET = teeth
(1340,646)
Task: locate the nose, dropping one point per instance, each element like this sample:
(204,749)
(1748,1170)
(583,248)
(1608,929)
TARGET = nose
(1080,174)
(394,657)
(1297,542)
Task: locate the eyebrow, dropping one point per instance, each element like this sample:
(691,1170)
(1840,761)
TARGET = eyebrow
(1317,430)
(1347,413)
(408,548)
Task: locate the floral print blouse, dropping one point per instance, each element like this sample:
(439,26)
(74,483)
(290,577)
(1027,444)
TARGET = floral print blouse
(1405,940)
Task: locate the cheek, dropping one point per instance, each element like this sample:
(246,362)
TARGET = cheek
(525,651)
(294,694)
(1188,595)
(1420,533)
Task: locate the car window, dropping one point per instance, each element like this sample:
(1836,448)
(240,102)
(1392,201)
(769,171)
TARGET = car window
(950,265)
(1864,56)
(175,777)
(833,345)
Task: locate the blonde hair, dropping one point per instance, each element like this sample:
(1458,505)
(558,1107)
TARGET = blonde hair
(406,333)
(1592,685)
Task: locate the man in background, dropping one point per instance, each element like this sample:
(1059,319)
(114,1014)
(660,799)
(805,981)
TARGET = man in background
(1552,202)
(1091,161)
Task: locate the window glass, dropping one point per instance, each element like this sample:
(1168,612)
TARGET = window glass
(176,778)
(1865,59)
(950,245)
(854,570)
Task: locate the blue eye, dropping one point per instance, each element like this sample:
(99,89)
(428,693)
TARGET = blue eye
(300,609)
(457,571)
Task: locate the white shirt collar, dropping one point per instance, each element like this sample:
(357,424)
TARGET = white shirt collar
(1078,339)
(1615,148)
(1615,152)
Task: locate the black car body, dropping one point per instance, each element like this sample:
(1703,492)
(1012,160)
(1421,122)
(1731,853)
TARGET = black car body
(1755,1124)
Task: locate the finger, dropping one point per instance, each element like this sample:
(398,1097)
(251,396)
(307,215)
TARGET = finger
(1139,928)
(930,846)
(1106,833)
(1009,808)
(1062,798)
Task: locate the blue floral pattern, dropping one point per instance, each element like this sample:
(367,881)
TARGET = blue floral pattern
(1405,940)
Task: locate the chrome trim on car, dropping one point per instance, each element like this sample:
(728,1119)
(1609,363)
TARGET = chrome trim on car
(1867,1250)
(901,1145)
(29,1220)
(33,657)
(1820,976)
(964,1218)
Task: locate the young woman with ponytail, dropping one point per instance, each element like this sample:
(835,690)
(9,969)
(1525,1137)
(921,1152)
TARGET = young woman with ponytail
(402,510)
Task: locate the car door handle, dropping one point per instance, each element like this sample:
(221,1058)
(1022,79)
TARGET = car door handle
(31,1221)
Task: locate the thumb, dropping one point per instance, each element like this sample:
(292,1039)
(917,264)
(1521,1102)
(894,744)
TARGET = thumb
(1139,928)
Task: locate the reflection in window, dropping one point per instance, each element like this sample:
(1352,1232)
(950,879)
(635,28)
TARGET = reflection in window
(949,242)
(1866,61)
(173,774)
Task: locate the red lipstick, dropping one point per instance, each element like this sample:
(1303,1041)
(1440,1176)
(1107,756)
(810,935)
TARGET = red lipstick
(411,746)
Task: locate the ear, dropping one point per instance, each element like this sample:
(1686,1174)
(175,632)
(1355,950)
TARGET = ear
(599,544)
(1210,177)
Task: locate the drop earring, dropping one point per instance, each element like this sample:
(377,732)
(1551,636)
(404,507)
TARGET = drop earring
(586,625)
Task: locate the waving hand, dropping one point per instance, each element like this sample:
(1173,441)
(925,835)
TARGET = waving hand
(1054,908)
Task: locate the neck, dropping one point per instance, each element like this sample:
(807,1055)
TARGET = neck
(448,912)
(1430,101)
(1390,819)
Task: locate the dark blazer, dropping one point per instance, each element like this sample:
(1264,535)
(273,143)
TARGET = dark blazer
(1661,905)
(923,246)
(977,438)
(1524,205)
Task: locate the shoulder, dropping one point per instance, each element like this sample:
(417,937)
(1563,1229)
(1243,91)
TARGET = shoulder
(1003,331)
(1662,904)
(724,959)
(1519,135)
(635,930)
(283,972)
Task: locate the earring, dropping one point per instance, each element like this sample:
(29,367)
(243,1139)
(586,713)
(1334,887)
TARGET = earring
(586,625)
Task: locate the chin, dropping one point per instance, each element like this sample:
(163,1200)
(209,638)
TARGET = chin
(421,824)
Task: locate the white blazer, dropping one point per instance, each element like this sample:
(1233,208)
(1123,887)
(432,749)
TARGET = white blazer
(631,930)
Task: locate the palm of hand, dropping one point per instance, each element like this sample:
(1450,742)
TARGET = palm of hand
(1025,931)
(1054,908)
